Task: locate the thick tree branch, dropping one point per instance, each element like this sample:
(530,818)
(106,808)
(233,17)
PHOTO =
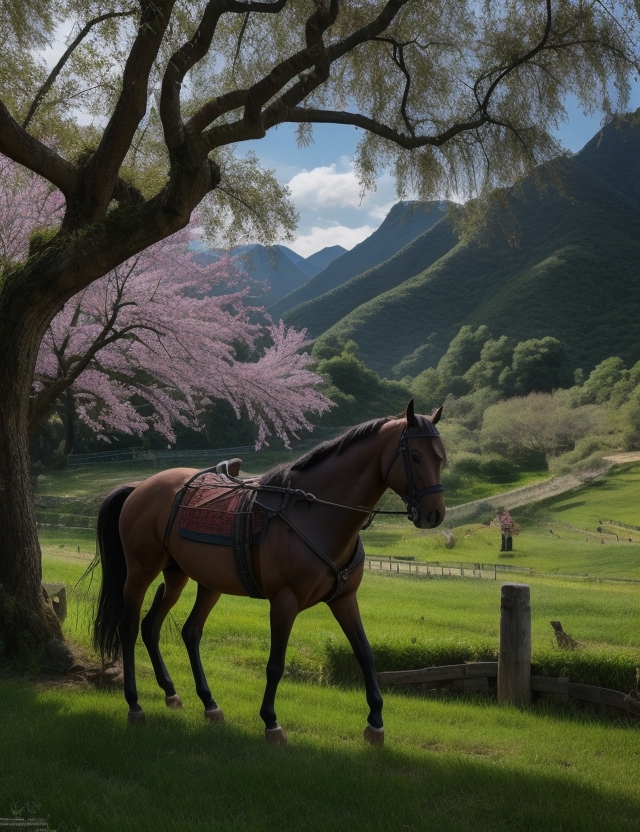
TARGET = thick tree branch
(17,144)
(44,89)
(255,121)
(189,55)
(302,114)
(102,170)
(276,112)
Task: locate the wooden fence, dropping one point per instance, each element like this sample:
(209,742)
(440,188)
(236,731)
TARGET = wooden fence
(510,677)
(398,566)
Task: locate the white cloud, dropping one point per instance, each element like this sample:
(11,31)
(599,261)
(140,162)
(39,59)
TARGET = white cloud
(325,187)
(379,212)
(336,235)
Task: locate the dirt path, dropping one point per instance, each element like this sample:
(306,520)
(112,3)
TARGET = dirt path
(633,456)
(527,494)
(550,488)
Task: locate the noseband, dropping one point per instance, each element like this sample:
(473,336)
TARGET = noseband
(414,495)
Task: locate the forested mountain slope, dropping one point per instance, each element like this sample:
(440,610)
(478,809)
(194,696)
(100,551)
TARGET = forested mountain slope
(321,313)
(403,223)
(563,262)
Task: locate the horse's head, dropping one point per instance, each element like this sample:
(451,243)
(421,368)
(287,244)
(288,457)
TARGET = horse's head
(417,479)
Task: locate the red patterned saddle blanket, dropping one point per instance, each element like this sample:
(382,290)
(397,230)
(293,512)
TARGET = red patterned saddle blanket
(211,506)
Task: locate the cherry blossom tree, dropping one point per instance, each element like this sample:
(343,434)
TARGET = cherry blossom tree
(508,528)
(26,204)
(160,329)
(152,332)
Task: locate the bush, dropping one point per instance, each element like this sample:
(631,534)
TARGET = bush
(488,468)
(613,669)
(341,668)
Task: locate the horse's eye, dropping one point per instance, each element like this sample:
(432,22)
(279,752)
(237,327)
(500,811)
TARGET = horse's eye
(415,458)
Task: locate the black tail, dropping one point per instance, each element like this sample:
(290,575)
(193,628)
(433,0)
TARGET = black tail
(106,638)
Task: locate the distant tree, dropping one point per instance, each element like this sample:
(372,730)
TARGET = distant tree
(532,428)
(429,389)
(358,392)
(495,356)
(602,381)
(539,365)
(463,351)
(469,409)
(149,101)
(631,421)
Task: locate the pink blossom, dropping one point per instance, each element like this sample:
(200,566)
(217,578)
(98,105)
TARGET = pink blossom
(160,330)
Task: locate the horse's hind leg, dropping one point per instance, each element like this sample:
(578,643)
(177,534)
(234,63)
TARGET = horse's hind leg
(206,599)
(166,597)
(346,612)
(135,587)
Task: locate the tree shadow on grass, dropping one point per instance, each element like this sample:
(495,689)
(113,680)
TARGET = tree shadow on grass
(72,753)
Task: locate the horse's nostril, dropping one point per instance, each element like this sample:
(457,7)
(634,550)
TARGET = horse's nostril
(433,518)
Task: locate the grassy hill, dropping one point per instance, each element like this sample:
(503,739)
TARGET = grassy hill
(562,261)
(403,223)
(323,312)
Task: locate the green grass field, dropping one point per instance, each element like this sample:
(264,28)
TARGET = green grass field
(448,764)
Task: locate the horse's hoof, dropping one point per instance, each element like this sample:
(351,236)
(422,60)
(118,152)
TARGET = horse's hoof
(173,702)
(214,715)
(374,736)
(275,736)
(136,717)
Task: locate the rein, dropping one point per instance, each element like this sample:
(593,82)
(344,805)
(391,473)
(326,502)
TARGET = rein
(411,500)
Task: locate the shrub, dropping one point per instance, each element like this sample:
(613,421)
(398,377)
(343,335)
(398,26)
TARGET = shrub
(604,668)
(340,666)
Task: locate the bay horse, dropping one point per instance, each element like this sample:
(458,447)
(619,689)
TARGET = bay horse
(314,509)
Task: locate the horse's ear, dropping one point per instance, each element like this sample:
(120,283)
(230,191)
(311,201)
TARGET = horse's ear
(435,416)
(411,417)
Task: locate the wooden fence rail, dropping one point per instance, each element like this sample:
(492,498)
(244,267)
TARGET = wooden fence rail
(398,566)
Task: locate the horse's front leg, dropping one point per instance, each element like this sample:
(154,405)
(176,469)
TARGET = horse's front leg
(347,614)
(283,612)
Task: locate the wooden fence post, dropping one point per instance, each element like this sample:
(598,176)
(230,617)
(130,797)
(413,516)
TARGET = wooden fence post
(514,658)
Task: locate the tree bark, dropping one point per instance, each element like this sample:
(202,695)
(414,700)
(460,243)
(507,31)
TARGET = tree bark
(27,624)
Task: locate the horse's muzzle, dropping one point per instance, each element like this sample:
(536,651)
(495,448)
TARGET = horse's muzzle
(429,520)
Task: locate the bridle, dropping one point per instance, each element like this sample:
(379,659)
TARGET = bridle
(413,496)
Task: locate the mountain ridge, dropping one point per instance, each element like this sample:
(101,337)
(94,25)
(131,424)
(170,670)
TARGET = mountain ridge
(572,274)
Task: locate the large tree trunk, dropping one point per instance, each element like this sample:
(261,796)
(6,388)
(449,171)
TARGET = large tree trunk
(31,294)
(28,626)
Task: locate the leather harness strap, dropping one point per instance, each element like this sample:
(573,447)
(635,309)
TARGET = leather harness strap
(242,548)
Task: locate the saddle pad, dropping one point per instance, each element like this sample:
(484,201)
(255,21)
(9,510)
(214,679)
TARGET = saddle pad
(209,508)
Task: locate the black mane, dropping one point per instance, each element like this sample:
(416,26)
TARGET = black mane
(280,475)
